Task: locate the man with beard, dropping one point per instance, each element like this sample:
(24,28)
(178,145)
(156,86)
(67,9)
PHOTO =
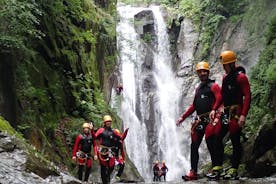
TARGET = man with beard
(207,100)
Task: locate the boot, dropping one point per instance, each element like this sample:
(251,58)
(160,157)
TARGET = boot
(190,176)
(232,174)
(215,173)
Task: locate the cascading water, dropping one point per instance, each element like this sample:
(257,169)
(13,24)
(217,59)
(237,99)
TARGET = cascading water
(169,95)
(129,55)
(144,146)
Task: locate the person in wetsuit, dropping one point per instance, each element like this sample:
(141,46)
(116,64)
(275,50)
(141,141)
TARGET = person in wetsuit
(82,151)
(108,140)
(236,97)
(206,101)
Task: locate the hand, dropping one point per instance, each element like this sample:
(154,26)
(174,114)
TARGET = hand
(216,120)
(212,114)
(74,158)
(241,120)
(95,157)
(179,121)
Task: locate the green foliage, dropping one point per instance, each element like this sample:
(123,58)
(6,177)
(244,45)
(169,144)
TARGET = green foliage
(5,126)
(207,16)
(18,22)
(270,73)
(148,37)
(263,81)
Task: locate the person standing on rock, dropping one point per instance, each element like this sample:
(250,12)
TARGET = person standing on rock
(120,154)
(206,101)
(108,140)
(236,98)
(164,169)
(82,151)
(156,171)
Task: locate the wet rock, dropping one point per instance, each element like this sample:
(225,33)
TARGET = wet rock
(144,22)
(144,26)
(6,144)
(260,155)
(19,163)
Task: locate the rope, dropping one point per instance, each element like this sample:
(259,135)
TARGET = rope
(109,153)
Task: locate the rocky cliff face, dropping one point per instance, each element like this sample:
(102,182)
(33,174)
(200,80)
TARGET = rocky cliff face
(246,36)
(145,27)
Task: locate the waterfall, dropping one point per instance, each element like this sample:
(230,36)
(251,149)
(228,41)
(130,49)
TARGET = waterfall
(166,141)
(169,96)
(129,55)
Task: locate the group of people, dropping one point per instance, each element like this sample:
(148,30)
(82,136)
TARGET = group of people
(219,110)
(109,150)
(159,170)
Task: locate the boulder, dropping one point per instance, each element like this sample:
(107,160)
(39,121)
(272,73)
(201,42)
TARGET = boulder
(260,155)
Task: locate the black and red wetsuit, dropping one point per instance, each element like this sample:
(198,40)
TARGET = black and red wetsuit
(83,145)
(164,169)
(157,172)
(207,98)
(112,139)
(235,92)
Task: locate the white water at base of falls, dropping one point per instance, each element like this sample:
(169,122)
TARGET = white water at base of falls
(170,138)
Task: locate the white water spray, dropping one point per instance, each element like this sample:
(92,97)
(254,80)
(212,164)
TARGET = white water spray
(167,94)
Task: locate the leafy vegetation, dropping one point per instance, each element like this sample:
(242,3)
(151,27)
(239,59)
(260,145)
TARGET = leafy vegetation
(19,22)
(6,127)
(208,15)
(263,81)
(61,55)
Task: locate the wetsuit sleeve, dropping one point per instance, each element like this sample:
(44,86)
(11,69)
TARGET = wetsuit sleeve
(124,134)
(246,92)
(117,134)
(123,152)
(93,133)
(188,112)
(98,133)
(95,147)
(218,97)
(76,146)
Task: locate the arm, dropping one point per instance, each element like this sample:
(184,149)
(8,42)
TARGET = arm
(95,149)
(122,151)
(218,97)
(93,133)
(187,113)
(245,89)
(76,146)
(98,133)
(218,100)
(124,134)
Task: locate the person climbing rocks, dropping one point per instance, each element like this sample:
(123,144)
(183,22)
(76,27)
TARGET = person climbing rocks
(157,172)
(164,169)
(119,88)
(236,98)
(108,140)
(82,151)
(207,100)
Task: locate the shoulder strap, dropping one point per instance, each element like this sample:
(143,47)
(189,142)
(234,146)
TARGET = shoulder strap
(240,69)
